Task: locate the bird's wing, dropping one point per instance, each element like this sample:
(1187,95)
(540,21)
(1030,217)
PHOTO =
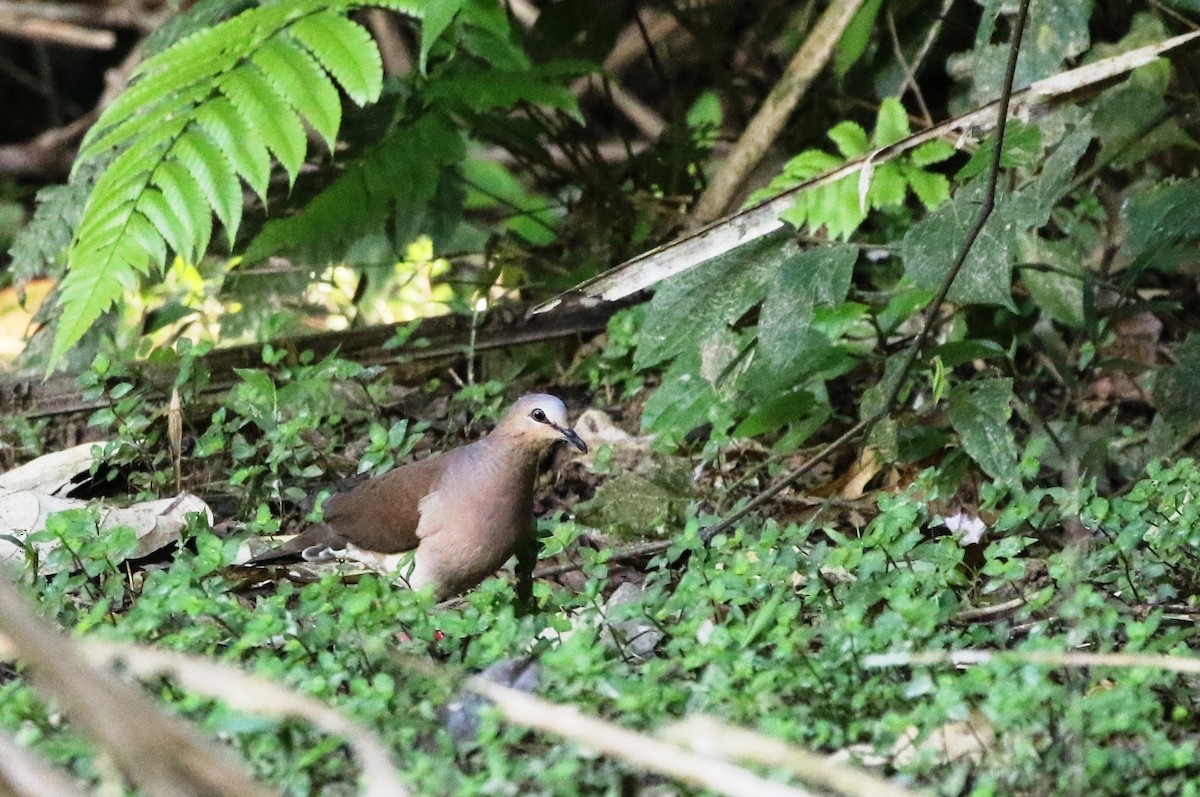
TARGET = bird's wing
(381,514)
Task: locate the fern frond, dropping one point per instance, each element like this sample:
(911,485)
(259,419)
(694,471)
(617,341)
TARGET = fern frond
(396,177)
(199,117)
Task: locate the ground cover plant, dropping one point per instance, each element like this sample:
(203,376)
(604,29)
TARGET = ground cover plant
(891,462)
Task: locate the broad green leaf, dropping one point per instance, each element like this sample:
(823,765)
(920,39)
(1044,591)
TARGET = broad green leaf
(801,282)
(438,17)
(1163,216)
(694,305)
(979,411)
(930,247)
(856,36)
(1177,388)
(1022,148)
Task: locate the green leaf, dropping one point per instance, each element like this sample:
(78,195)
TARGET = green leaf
(1177,388)
(398,177)
(801,282)
(888,186)
(298,77)
(891,125)
(1163,216)
(930,247)
(850,138)
(177,232)
(485,90)
(347,52)
(931,188)
(931,152)
(187,203)
(1022,148)
(979,411)
(91,288)
(212,169)
(438,17)
(269,114)
(237,139)
(775,413)
(856,36)
(698,303)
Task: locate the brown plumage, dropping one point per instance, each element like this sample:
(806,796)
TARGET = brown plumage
(464,511)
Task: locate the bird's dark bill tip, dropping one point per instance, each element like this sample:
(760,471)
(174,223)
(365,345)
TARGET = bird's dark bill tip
(574,439)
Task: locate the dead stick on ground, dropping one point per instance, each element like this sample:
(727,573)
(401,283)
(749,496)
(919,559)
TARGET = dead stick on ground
(638,749)
(764,128)
(161,754)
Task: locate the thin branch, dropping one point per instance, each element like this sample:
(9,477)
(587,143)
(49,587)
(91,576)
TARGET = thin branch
(49,31)
(766,125)
(640,750)
(711,736)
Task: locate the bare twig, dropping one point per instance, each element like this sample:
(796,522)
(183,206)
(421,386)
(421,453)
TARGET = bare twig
(711,736)
(930,37)
(24,773)
(634,748)
(54,32)
(158,752)
(764,128)
(910,77)
(692,249)
(959,658)
(397,60)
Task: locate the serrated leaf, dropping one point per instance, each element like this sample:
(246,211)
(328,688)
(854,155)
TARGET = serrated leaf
(221,120)
(187,201)
(90,289)
(979,411)
(299,78)
(261,105)
(888,186)
(930,187)
(931,152)
(157,208)
(891,125)
(347,52)
(200,155)
(850,138)
(819,276)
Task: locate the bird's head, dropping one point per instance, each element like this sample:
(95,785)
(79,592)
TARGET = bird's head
(538,420)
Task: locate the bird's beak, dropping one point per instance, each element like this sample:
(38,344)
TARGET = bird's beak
(571,437)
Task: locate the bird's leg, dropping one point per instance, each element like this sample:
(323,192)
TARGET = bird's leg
(528,550)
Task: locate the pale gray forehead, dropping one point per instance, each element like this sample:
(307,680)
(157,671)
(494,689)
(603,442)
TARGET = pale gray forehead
(555,410)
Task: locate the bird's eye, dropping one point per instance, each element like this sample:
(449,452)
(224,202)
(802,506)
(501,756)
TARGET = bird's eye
(538,416)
